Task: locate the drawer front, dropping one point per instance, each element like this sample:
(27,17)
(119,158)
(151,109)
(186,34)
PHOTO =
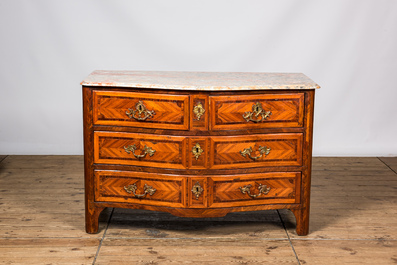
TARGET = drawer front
(256,151)
(138,187)
(141,110)
(255,189)
(256,111)
(140,150)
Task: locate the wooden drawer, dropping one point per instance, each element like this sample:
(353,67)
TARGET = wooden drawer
(256,111)
(256,151)
(244,190)
(141,110)
(138,187)
(139,149)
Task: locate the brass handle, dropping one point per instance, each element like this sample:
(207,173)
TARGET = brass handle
(147,190)
(263,189)
(197,151)
(146,149)
(197,190)
(140,113)
(262,150)
(257,110)
(198,110)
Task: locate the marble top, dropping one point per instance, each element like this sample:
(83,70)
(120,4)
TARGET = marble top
(206,81)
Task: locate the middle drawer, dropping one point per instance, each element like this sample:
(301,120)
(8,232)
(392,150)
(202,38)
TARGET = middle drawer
(207,152)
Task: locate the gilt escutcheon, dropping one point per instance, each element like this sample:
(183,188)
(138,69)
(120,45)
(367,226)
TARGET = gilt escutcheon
(198,110)
(197,151)
(197,190)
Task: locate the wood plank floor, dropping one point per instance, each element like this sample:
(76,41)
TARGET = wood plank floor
(353,221)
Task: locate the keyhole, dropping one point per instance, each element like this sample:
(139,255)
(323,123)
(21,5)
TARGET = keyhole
(197,150)
(140,108)
(256,109)
(196,189)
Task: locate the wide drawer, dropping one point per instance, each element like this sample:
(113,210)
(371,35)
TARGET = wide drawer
(139,149)
(256,151)
(256,111)
(138,187)
(141,110)
(255,189)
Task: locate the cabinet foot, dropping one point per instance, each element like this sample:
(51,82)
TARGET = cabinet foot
(91,219)
(302,221)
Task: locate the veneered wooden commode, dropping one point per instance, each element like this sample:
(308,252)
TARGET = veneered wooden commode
(198,144)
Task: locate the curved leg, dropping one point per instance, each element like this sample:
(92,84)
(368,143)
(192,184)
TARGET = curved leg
(91,218)
(302,220)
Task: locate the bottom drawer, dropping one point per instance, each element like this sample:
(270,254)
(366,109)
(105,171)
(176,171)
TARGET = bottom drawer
(201,192)
(255,189)
(140,188)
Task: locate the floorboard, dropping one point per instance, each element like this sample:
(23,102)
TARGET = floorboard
(352,221)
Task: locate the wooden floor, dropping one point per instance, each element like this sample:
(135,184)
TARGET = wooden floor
(353,221)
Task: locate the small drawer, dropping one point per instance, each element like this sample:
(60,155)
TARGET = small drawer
(140,150)
(284,149)
(255,189)
(141,110)
(257,111)
(139,187)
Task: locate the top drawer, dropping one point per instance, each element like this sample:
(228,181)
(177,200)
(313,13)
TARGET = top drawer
(256,111)
(141,110)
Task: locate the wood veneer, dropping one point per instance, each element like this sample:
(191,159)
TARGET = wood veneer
(220,170)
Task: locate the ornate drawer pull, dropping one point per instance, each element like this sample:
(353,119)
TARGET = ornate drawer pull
(197,190)
(147,190)
(262,150)
(256,111)
(140,113)
(263,189)
(146,149)
(197,151)
(198,110)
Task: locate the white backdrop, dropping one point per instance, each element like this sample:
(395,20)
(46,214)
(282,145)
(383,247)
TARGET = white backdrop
(348,47)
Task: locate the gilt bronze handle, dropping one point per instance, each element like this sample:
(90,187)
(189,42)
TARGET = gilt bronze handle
(262,150)
(263,189)
(257,111)
(140,113)
(146,150)
(147,190)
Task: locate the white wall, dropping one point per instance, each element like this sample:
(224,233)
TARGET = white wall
(348,47)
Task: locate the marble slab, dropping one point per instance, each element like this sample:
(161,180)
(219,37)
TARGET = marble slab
(205,81)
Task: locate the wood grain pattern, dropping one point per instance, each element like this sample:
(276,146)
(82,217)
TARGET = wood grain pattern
(202,161)
(170,151)
(227,111)
(223,134)
(110,187)
(353,210)
(202,122)
(226,251)
(202,200)
(92,210)
(302,214)
(284,188)
(286,150)
(171,111)
(211,252)
(346,251)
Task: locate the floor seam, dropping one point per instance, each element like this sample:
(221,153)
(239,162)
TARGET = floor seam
(103,237)
(289,239)
(387,165)
(3,159)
